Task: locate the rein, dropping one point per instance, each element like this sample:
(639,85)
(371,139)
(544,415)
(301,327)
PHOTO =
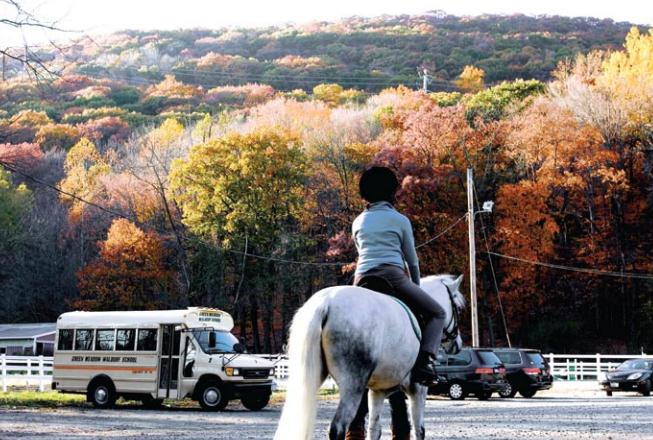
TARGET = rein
(450,332)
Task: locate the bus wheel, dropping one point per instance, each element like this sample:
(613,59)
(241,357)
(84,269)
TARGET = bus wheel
(212,398)
(255,402)
(102,394)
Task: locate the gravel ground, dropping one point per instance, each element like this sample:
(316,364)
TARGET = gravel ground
(565,412)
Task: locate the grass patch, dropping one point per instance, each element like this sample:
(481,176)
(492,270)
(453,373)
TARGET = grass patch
(46,399)
(279,397)
(54,399)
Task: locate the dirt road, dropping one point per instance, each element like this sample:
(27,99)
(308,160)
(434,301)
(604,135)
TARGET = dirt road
(568,415)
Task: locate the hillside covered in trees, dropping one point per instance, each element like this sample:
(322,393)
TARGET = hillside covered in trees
(363,53)
(125,184)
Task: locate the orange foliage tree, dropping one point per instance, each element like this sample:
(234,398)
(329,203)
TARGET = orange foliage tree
(130,273)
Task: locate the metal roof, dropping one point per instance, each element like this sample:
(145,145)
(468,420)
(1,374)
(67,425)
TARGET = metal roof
(26,331)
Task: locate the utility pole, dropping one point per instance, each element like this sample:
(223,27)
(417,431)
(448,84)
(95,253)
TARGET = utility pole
(424,74)
(4,65)
(472,256)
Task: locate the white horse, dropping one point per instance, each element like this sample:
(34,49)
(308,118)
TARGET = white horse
(363,339)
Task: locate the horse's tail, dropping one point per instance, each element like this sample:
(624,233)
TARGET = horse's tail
(306,371)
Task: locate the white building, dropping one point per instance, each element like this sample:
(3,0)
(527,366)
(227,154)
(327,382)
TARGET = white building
(27,339)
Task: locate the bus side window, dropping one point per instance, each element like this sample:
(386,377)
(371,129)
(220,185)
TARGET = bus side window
(83,339)
(65,339)
(104,339)
(125,339)
(146,339)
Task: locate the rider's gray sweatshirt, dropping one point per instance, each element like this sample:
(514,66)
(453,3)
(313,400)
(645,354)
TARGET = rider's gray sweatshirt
(384,236)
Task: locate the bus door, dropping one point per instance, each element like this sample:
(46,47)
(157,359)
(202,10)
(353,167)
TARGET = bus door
(169,362)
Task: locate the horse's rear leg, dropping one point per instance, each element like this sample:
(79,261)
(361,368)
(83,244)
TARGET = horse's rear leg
(417,398)
(375,404)
(399,413)
(350,399)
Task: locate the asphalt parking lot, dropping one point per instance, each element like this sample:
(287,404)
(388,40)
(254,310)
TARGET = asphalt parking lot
(561,413)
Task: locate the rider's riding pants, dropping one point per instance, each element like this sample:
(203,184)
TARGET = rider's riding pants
(419,302)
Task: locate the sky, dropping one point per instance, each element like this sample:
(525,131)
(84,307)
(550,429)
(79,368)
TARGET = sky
(104,16)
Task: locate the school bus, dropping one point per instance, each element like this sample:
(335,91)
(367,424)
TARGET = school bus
(156,355)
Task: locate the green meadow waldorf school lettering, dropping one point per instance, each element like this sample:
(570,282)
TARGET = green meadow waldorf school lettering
(126,359)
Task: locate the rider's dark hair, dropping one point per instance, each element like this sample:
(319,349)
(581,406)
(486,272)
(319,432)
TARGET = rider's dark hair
(378,184)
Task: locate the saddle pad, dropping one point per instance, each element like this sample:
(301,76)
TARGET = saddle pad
(411,318)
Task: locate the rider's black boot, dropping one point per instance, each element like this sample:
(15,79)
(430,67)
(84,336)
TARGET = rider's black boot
(424,371)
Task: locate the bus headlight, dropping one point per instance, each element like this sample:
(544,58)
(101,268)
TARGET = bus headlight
(230,371)
(271,371)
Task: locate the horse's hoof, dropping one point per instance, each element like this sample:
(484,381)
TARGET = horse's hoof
(400,436)
(356,433)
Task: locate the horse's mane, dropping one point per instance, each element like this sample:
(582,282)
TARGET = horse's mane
(458,297)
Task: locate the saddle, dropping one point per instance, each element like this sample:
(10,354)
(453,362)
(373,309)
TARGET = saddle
(381,285)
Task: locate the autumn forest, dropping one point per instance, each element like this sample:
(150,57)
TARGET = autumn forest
(220,168)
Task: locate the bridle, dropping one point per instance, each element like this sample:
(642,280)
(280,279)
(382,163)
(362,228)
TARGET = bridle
(450,332)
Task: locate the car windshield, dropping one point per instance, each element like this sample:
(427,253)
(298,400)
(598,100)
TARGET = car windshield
(635,364)
(224,341)
(536,359)
(489,358)
(509,357)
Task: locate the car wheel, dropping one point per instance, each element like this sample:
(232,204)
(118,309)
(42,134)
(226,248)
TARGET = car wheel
(527,392)
(102,394)
(508,391)
(484,395)
(457,391)
(646,389)
(255,402)
(151,403)
(212,398)
(608,393)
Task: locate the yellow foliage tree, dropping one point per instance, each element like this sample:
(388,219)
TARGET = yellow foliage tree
(84,166)
(472,79)
(241,185)
(330,93)
(628,76)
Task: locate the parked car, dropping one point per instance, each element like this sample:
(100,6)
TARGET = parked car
(527,371)
(476,371)
(632,375)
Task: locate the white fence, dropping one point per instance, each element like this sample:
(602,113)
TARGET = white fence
(566,367)
(586,366)
(36,371)
(25,372)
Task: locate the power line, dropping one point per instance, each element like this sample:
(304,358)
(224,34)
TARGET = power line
(293,79)
(233,251)
(290,77)
(494,275)
(15,170)
(641,276)
(450,227)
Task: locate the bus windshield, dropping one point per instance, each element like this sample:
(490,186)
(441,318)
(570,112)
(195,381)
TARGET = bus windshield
(224,341)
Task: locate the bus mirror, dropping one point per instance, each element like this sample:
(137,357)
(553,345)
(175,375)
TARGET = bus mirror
(239,348)
(212,340)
